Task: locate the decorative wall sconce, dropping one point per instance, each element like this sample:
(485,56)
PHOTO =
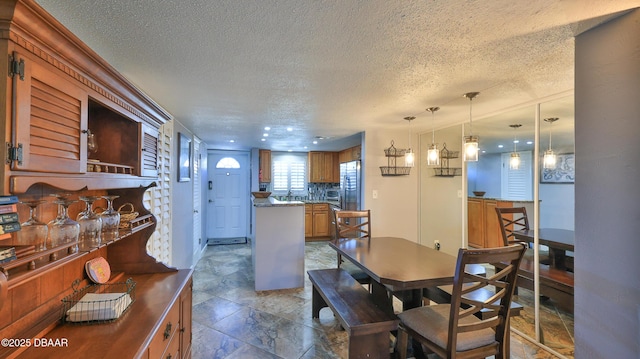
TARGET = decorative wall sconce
(433,155)
(514,161)
(409,156)
(549,159)
(471,141)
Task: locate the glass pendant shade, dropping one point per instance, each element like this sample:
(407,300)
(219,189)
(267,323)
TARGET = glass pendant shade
(514,161)
(470,148)
(549,160)
(433,155)
(409,158)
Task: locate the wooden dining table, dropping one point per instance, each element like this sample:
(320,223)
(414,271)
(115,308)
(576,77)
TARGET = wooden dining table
(558,240)
(399,268)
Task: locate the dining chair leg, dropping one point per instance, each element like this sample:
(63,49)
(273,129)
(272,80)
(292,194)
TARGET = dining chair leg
(401,344)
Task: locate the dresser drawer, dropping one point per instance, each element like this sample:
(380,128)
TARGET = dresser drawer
(166,333)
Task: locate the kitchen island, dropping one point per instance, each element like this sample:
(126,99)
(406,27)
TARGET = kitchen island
(277,249)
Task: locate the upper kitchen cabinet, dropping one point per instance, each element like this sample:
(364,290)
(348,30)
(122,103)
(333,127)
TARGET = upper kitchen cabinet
(265,166)
(71,120)
(350,154)
(324,167)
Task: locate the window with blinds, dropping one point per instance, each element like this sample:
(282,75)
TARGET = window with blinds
(289,173)
(517,184)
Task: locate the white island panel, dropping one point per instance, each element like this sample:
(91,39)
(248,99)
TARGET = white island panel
(278,246)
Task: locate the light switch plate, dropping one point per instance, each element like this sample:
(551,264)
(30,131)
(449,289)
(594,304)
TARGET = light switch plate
(374,194)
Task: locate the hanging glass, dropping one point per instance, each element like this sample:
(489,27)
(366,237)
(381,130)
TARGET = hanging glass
(64,230)
(33,232)
(514,161)
(433,154)
(471,141)
(90,225)
(549,159)
(110,220)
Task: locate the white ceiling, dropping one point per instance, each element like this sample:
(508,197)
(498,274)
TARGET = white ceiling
(228,68)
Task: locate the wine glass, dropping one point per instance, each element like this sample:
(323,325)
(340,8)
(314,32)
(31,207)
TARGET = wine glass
(110,220)
(90,225)
(33,232)
(62,229)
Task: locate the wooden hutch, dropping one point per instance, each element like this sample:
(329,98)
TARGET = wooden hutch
(56,91)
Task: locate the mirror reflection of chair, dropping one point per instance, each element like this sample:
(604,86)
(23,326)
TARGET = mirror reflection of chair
(455,329)
(515,219)
(349,225)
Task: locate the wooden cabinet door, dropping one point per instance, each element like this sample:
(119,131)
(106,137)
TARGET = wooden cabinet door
(51,115)
(316,166)
(332,167)
(265,166)
(149,151)
(186,301)
(475,220)
(308,220)
(321,223)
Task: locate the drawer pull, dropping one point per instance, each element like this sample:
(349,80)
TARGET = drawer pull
(169,356)
(167,331)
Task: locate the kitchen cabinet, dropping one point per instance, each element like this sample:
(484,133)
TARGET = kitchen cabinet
(324,167)
(483,227)
(317,220)
(264,166)
(350,154)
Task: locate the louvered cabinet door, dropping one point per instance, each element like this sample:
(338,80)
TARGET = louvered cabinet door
(51,114)
(149,152)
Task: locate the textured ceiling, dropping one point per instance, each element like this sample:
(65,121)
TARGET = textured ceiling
(228,68)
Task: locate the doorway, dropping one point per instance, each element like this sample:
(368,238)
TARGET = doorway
(227,197)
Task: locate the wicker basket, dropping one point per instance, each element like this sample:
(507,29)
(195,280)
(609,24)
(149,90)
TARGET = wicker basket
(127,214)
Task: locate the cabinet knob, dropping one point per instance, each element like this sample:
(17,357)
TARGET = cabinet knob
(167,331)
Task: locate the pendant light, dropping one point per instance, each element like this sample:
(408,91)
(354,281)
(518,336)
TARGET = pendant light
(549,160)
(471,141)
(409,156)
(433,155)
(514,161)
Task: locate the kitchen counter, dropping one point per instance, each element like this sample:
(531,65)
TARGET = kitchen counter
(277,248)
(272,202)
(332,203)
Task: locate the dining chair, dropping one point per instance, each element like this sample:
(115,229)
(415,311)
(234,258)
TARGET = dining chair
(455,330)
(350,225)
(516,219)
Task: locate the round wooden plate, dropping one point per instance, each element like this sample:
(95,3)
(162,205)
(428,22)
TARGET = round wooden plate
(98,270)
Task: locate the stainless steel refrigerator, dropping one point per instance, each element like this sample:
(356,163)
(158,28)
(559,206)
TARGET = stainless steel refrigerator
(350,186)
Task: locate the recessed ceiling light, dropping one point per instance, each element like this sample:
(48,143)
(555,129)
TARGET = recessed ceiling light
(500,146)
(315,142)
(267,128)
(289,129)
(290,151)
(529,142)
(305,147)
(265,135)
(516,141)
(232,141)
(263,139)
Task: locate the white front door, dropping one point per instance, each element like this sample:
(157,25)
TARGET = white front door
(228,195)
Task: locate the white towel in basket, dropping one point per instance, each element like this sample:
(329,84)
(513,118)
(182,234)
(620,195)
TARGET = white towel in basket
(99,306)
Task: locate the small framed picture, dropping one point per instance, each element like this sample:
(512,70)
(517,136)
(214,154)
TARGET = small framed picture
(565,171)
(184,158)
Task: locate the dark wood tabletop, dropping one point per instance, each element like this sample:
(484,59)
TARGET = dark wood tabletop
(558,240)
(551,237)
(398,263)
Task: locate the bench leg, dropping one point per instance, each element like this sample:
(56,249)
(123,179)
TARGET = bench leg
(369,346)
(317,303)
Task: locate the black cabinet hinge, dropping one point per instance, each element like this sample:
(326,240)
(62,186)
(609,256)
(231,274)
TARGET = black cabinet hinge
(16,67)
(14,153)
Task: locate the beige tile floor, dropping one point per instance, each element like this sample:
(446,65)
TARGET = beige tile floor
(231,320)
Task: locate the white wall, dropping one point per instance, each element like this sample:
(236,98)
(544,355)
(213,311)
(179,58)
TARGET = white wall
(395,211)
(441,216)
(182,207)
(607,268)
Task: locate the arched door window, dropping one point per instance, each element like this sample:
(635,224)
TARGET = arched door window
(227,162)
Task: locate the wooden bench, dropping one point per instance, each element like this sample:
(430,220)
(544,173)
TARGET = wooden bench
(557,284)
(366,323)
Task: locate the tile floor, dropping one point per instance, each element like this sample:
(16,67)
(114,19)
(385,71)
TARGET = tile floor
(231,320)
